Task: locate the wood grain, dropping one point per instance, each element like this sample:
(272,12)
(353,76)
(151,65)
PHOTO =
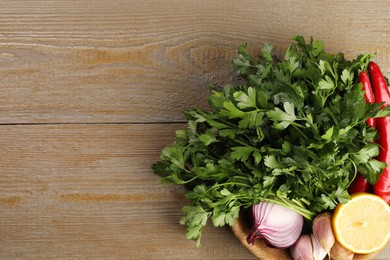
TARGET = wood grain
(91,91)
(157,57)
(87,191)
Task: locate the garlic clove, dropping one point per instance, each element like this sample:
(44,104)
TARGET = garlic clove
(323,231)
(338,252)
(302,249)
(318,252)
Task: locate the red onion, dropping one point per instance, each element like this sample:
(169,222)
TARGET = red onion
(278,226)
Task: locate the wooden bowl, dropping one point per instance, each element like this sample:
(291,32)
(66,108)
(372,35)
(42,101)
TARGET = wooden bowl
(262,251)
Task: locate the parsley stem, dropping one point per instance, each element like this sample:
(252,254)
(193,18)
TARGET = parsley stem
(329,112)
(217,185)
(296,127)
(313,126)
(354,172)
(294,206)
(242,143)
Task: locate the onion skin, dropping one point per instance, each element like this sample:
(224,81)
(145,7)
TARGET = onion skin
(278,226)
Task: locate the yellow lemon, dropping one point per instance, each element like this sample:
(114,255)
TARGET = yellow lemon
(362,225)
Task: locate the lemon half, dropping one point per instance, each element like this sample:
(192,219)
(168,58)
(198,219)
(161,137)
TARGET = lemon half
(363,224)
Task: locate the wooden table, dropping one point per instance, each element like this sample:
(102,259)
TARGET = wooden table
(90,93)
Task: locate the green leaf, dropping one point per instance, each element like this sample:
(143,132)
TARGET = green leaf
(175,154)
(232,216)
(243,63)
(219,220)
(342,195)
(225,192)
(257,156)
(321,66)
(251,119)
(293,64)
(231,110)
(230,133)
(345,130)
(195,219)
(328,135)
(266,52)
(262,99)
(246,100)
(347,76)
(215,123)
(326,84)
(376,165)
(318,47)
(369,151)
(268,181)
(282,119)
(372,170)
(286,146)
(195,216)
(208,137)
(271,162)
(241,153)
(383,112)
(246,121)
(328,202)
(289,108)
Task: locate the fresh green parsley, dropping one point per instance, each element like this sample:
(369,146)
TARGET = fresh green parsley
(292,133)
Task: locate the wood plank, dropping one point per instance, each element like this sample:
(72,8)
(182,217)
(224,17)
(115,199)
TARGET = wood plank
(146,61)
(87,192)
(92,90)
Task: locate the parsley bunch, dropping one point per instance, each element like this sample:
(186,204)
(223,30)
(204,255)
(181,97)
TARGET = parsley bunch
(293,132)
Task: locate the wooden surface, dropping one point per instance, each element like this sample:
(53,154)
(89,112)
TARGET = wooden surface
(91,91)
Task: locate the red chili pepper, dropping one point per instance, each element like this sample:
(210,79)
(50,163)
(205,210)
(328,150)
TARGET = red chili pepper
(361,184)
(369,93)
(382,94)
